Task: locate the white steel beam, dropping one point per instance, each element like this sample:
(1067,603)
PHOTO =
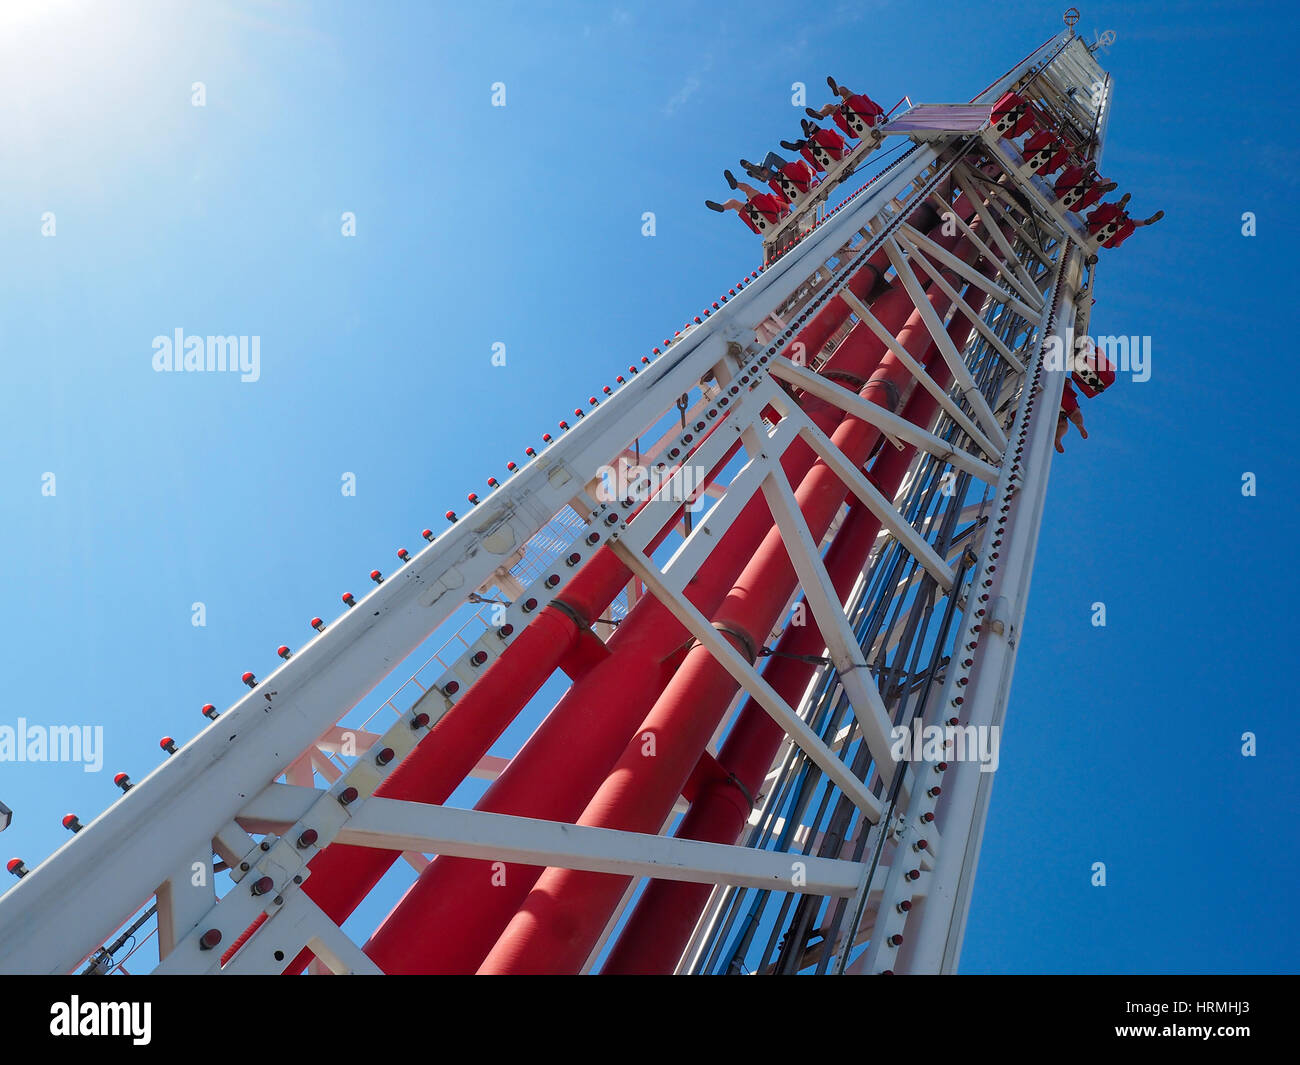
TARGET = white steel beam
(752,681)
(960,374)
(888,422)
(392,824)
(918,371)
(972,314)
(882,507)
(845,654)
(914,239)
(940,922)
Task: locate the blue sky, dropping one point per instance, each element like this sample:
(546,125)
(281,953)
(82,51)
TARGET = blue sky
(522,225)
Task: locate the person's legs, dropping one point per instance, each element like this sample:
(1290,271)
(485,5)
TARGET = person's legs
(1076,416)
(1061,425)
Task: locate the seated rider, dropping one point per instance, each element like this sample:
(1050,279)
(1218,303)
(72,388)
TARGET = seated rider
(1111,225)
(1126,227)
(760,210)
(1045,152)
(1011,117)
(855,113)
(1093,373)
(790,180)
(821,148)
(1080,187)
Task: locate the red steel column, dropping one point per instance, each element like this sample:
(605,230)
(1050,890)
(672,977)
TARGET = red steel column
(449,919)
(563,915)
(661,923)
(343,875)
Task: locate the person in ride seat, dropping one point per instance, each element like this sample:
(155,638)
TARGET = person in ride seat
(1079,187)
(821,148)
(759,210)
(1126,226)
(1011,117)
(1111,225)
(1069,413)
(1093,372)
(855,113)
(788,179)
(1045,152)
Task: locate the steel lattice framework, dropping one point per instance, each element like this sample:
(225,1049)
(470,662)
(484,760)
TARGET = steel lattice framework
(848,459)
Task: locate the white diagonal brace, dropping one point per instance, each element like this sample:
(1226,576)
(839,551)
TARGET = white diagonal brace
(972,315)
(1012,181)
(1009,269)
(296,923)
(982,201)
(752,681)
(1044,226)
(395,824)
(886,421)
(994,229)
(874,499)
(845,653)
(979,405)
(997,194)
(915,239)
(919,372)
(182,901)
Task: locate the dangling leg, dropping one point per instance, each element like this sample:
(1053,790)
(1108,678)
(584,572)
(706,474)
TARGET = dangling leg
(1076,416)
(759,173)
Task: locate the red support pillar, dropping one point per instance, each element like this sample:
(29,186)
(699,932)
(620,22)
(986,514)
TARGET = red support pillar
(453,913)
(563,915)
(661,923)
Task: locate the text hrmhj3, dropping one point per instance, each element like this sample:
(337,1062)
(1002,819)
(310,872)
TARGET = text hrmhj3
(53,743)
(946,743)
(179,353)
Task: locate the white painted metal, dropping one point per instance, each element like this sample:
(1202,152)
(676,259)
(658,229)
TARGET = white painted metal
(219,791)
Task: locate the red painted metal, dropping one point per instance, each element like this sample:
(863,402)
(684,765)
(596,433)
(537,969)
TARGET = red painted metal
(661,923)
(342,876)
(562,917)
(449,919)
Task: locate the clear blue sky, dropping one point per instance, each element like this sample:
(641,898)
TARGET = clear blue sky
(522,225)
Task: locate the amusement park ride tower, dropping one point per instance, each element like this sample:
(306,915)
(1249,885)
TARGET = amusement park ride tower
(806,523)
